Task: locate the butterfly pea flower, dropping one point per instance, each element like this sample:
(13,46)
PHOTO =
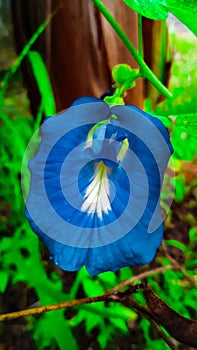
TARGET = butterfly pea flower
(96,179)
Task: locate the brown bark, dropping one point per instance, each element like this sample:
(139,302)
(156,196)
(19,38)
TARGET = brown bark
(77,61)
(79,46)
(155,52)
(116,52)
(27,16)
(84,49)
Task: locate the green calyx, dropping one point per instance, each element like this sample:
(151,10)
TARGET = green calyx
(124,77)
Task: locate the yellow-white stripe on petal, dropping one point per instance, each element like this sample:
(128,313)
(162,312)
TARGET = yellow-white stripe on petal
(123,151)
(97,193)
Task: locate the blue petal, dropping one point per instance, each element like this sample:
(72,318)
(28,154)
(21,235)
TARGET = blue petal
(105,143)
(129,230)
(87,99)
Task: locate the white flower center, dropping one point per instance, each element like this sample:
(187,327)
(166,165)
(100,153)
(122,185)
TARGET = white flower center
(97,193)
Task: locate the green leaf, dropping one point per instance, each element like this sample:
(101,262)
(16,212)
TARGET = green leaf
(92,288)
(105,336)
(191,299)
(165,120)
(125,273)
(4,280)
(153,9)
(43,82)
(108,279)
(53,327)
(179,182)
(185,11)
(106,319)
(177,244)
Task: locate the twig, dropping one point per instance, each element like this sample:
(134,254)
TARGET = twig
(120,297)
(139,277)
(43,309)
(123,298)
(143,311)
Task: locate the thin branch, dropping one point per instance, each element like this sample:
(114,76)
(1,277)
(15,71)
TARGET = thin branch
(143,311)
(42,309)
(124,298)
(139,277)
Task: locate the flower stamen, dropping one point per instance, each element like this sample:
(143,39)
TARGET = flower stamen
(123,150)
(97,193)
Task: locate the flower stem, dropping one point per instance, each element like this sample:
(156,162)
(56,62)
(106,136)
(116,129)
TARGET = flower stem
(145,71)
(140,39)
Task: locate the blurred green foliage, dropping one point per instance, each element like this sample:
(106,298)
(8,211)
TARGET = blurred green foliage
(23,257)
(184,10)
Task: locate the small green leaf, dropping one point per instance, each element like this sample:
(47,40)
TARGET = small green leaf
(105,336)
(177,244)
(52,327)
(124,75)
(92,288)
(193,234)
(153,9)
(125,273)
(109,279)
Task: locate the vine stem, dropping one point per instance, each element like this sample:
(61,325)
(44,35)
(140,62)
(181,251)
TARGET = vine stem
(139,277)
(140,39)
(145,71)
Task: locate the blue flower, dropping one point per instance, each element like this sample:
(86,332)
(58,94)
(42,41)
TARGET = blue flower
(95,187)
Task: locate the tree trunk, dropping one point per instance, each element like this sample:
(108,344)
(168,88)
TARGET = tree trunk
(84,49)
(79,47)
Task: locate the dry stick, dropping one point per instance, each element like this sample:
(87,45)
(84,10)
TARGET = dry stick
(144,312)
(42,309)
(123,298)
(162,334)
(172,321)
(141,276)
(108,296)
